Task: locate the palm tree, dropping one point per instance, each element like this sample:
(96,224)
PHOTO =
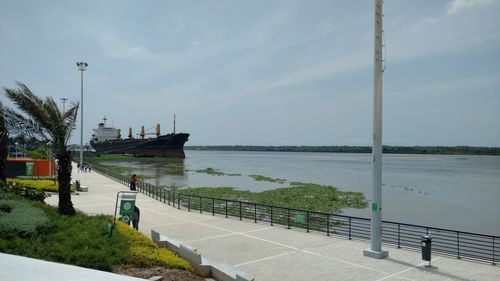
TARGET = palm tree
(4,136)
(57,127)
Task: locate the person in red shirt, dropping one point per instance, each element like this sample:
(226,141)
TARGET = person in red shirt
(133,181)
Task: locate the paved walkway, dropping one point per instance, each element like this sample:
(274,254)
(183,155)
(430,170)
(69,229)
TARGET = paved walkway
(27,269)
(274,252)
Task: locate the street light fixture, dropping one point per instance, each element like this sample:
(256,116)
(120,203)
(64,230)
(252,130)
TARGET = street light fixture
(82,66)
(64,103)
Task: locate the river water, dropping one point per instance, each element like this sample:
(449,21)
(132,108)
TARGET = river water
(453,192)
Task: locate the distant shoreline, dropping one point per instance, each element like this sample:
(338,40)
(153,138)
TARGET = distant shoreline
(438,150)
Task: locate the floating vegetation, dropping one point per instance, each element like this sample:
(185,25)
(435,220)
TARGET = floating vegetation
(264,178)
(305,196)
(175,167)
(215,172)
(211,171)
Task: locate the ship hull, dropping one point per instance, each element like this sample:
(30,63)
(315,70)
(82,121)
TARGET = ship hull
(171,145)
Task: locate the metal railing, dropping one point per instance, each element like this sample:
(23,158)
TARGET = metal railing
(462,245)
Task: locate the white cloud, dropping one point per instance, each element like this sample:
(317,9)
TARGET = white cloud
(342,65)
(457,5)
(425,22)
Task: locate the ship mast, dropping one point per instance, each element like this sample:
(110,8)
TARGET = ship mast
(376,250)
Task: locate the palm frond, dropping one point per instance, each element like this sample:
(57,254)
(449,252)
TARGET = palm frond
(44,112)
(30,104)
(69,118)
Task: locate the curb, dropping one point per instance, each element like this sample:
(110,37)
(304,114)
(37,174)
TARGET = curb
(207,268)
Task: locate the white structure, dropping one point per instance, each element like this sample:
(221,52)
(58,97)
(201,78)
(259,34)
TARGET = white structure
(103,133)
(82,66)
(376,250)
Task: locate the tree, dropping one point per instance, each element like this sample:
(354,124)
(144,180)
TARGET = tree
(4,138)
(57,127)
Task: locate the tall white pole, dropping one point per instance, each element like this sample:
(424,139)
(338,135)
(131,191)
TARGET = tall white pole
(376,250)
(81,66)
(81,122)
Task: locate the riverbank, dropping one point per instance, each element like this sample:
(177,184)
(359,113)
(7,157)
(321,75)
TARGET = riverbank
(388,149)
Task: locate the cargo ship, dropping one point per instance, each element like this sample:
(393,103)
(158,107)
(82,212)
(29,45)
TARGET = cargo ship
(108,140)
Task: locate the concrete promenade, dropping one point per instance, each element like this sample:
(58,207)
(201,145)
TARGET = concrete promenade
(274,252)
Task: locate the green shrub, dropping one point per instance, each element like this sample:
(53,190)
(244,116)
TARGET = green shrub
(38,184)
(147,254)
(26,192)
(22,219)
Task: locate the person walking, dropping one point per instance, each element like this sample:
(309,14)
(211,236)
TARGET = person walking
(133,181)
(135,218)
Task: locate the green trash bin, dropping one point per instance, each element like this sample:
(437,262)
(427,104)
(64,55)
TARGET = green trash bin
(29,168)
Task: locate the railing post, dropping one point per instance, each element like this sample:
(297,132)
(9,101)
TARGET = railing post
(493,263)
(271,215)
(168,196)
(349,228)
(189,203)
(240,210)
(458,245)
(201,204)
(399,236)
(179,201)
(327,225)
(213,206)
(226,208)
(307,218)
(288,218)
(255,213)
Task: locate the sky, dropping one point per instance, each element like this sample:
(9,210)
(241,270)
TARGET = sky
(264,72)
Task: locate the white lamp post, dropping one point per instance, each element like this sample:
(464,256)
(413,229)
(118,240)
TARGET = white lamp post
(376,250)
(81,66)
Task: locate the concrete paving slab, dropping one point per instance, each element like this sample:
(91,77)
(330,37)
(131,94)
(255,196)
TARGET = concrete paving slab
(243,225)
(236,249)
(299,266)
(189,231)
(293,238)
(451,269)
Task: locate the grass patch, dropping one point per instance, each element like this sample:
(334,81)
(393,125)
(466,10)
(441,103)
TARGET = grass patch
(304,196)
(79,240)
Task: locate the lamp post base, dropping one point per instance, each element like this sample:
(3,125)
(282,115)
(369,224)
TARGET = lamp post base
(378,255)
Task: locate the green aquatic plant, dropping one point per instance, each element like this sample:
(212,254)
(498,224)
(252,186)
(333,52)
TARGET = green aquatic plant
(214,172)
(268,179)
(211,171)
(304,196)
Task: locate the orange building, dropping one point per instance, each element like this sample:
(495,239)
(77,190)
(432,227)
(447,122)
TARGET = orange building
(30,167)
